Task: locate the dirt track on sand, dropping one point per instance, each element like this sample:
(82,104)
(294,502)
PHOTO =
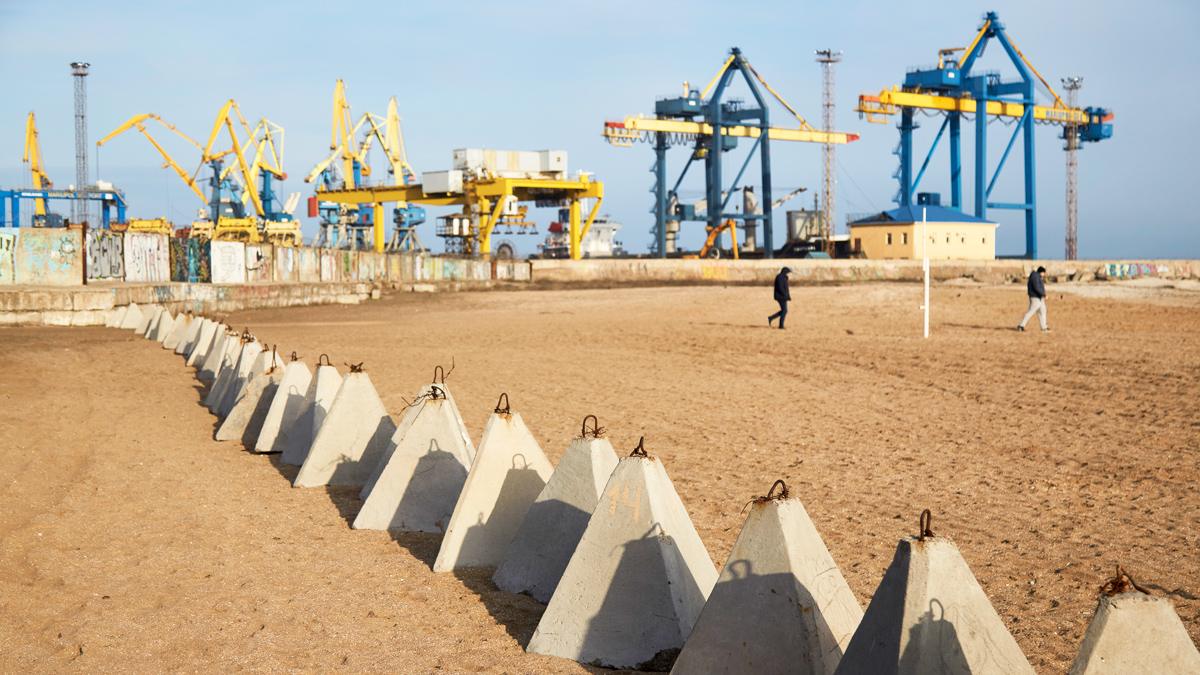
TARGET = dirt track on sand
(129,540)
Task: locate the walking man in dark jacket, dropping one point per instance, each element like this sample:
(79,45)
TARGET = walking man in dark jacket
(782,296)
(1036,289)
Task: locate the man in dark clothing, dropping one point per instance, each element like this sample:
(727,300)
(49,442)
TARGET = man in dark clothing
(782,296)
(1036,290)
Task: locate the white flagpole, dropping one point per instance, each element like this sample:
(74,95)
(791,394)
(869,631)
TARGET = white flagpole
(925,268)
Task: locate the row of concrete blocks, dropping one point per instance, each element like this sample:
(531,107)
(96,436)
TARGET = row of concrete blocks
(609,546)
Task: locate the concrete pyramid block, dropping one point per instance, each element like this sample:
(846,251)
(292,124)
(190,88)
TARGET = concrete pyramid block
(538,554)
(114,316)
(132,318)
(322,389)
(178,331)
(148,315)
(287,405)
(210,335)
(263,361)
(239,354)
(1135,632)
(637,580)
(203,362)
(163,327)
(435,390)
(352,437)
(191,337)
(149,321)
(246,415)
(506,476)
(930,616)
(420,477)
(780,605)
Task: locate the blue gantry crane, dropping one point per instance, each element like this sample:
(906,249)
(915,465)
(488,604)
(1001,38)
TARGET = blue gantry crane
(712,124)
(958,90)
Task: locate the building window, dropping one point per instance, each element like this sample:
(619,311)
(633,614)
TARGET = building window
(857,244)
(947,239)
(903,237)
(889,238)
(983,240)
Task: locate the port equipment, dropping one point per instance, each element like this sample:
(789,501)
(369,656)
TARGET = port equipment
(348,167)
(486,200)
(108,197)
(712,125)
(710,249)
(957,90)
(32,156)
(225,216)
(43,191)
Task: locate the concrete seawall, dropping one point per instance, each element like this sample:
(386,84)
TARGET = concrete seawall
(646,271)
(87,305)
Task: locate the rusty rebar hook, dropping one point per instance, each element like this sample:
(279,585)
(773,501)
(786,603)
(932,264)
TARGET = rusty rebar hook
(323,360)
(502,407)
(435,392)
(597,430)
(640,450)
(783,490)
(1121,583)
(273,357)
(924,525)
(439,371)
(355,367)
(295,356)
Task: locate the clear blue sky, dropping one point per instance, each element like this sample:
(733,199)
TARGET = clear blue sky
(535,75)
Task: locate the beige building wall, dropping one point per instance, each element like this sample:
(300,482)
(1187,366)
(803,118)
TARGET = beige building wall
(947,241)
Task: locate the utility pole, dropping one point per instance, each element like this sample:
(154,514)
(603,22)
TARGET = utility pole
(827,58)
(1071,136)
(79,70)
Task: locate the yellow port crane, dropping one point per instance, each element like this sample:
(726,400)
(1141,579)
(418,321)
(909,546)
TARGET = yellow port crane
(138,123)
(347,167)
(234,224)
(33,157)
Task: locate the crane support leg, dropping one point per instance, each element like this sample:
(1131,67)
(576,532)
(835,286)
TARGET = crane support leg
(906,156)
(573,230)
(955,120)
(660,192)
(377,222)
(1031,248)
(981,153)
(768,230)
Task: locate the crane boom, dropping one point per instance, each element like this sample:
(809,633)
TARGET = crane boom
(33,157)
(137,122)
(624,133)
(225,120)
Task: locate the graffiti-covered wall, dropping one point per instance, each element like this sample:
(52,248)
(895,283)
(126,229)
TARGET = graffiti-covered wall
(105,255)
(8,250)
(61,257)
(147,257)
(49,256)
(190,260)
(228,262)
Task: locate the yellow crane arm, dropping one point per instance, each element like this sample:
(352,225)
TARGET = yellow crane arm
(889,101)
(397,154)
(170,162)
(132,122)
(621,133)
(247,175)
(33,157)
(323,164)
(137,122)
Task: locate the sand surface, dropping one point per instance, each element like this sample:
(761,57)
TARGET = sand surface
(131,541)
